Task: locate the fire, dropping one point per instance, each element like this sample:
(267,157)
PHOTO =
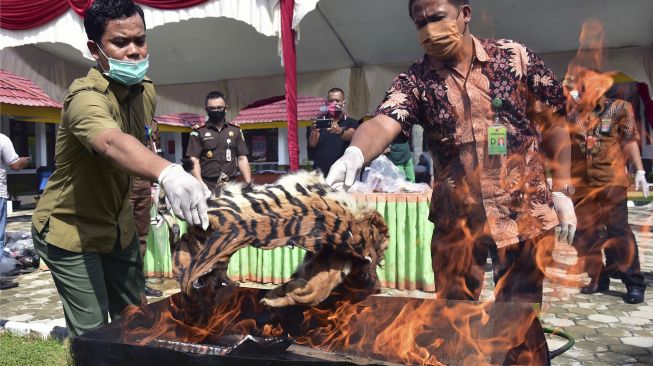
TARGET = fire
(408,331)
(402,330)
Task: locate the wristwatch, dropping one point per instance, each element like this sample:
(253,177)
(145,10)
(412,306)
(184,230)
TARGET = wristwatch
(567,189)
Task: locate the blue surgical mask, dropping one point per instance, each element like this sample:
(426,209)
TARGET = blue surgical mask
(126,72)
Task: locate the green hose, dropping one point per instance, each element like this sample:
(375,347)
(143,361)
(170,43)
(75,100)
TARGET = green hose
(560,333)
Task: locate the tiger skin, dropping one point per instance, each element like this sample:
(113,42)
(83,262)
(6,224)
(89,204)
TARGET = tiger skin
(342,240)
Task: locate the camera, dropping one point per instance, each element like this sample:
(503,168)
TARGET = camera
(323,123)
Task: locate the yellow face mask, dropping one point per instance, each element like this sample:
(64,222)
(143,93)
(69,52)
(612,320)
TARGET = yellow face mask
(442,39)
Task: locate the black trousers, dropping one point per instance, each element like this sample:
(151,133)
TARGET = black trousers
(604,208)
(459,258)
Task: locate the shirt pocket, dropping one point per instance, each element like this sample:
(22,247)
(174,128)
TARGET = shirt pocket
(209,143)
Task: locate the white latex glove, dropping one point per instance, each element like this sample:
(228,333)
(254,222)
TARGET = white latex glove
(640,180)
(565,209)
(206,191)
(185,195)
(345,170)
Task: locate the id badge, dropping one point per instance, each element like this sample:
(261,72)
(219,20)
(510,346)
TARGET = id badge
(497,137)
(228,155)
(605,125)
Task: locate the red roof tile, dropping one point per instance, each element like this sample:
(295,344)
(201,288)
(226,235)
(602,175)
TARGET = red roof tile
(180,119)
(274,110)
(21,91)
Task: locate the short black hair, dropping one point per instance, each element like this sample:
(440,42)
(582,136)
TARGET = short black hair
(214,95)
(103,11)
(336,90)
(453,2)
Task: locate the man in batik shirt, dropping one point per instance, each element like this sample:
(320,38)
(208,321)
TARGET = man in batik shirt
(488,198)
(604,137)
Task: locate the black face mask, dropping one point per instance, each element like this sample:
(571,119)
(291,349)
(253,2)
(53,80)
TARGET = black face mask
(216,116)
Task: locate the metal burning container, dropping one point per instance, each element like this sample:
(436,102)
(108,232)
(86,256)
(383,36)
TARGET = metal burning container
(372,330)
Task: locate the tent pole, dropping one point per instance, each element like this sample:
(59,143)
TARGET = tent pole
(290,66)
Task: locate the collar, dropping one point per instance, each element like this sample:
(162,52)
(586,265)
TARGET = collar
(120,90)
(215,126)
(480,54)
(601,105)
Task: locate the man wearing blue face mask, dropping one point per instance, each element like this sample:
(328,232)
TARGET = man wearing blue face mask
(83,226)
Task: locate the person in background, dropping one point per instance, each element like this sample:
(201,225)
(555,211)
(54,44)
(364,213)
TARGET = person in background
(487,199)
(217,148)
(423,169)
(604,138)
(401,156)
(141,200)
(8,158)
(325,146)
(83,225)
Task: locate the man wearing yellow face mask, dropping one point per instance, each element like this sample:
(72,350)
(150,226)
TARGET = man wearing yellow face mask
(489,193)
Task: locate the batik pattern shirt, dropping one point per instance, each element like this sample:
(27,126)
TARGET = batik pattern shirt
(508,190)
(597,144)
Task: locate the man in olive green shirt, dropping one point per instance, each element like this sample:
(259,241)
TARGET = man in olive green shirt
(83,226)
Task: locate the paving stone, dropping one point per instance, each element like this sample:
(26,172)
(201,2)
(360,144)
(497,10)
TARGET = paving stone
(558,323)
(615,358)
(563,361)
(555,310)
(593,347)
(580,355)
(625,308)
(615,332)
(631,320)
(629,350)
(581,311)
(580,331)
(642,314)
(591,324)
(601,339)
(603,318)
(644,342)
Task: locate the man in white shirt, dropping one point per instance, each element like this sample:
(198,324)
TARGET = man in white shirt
(8,157)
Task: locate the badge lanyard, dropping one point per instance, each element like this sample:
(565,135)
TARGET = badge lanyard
(497,134)
(149,138)
(228,150)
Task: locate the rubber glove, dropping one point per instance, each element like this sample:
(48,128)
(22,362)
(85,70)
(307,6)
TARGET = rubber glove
(640,180)
(206,191)
(565,209)
(185,194)
(345,170)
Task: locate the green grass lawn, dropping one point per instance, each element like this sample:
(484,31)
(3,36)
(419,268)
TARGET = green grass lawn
(32,351)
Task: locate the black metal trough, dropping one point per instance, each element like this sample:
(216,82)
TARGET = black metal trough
(513,327)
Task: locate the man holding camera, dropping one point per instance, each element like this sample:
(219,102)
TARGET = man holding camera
(329,135)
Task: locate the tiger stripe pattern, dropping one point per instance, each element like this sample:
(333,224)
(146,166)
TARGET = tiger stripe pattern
(299,210)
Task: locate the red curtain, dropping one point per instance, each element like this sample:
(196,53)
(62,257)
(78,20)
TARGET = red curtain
(27,14)
(290,64)
(170,4)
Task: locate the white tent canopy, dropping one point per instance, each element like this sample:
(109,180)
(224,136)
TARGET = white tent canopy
(358,45)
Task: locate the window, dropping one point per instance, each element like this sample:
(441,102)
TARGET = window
(262,145)
(263,149)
